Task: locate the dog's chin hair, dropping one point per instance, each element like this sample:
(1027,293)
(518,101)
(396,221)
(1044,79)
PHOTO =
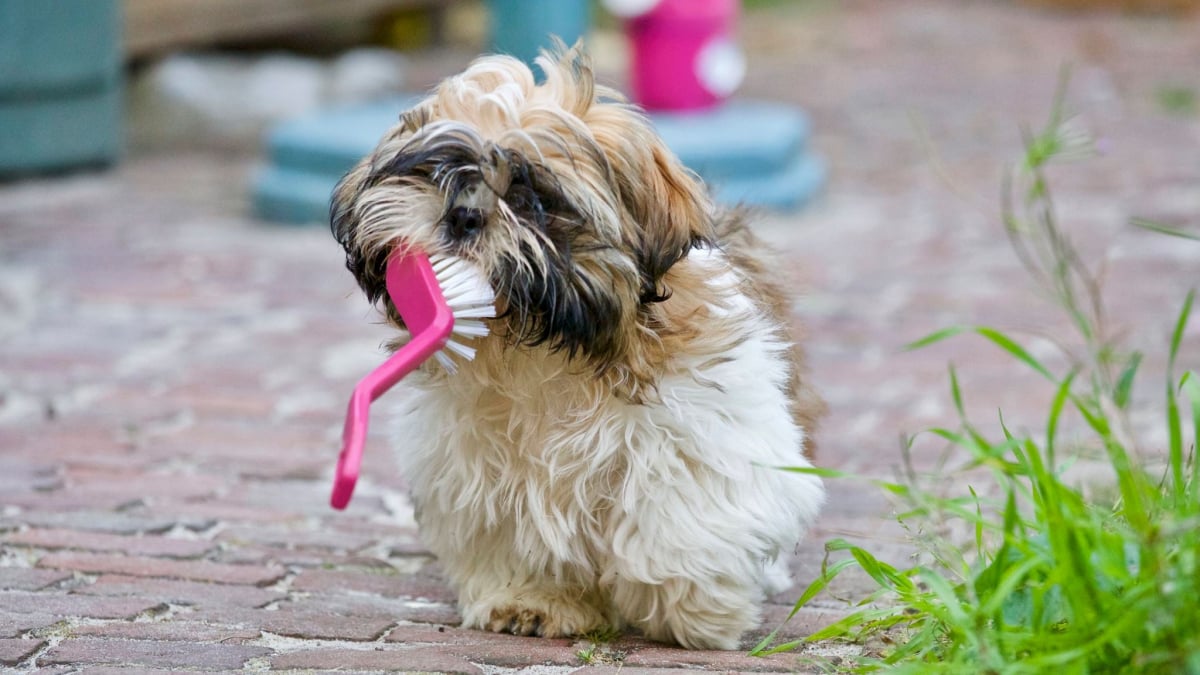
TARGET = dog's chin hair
(636,381)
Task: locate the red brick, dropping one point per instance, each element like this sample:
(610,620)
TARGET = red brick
(133,482)
(14,625)
(195,570)
(71,604)
(93,541)
(388,585)
(420,659)
(301,537)
(18,474)
(639,653)
(223,511)
(519,652)
(119,523)
(14,651)
(187,631)
(29,579)
(191,655)
(317,623)
(179,592)
(113,670)
(67,500)
(376,606)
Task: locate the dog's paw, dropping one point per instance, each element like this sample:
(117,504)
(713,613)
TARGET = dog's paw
(520,621)
(535,613)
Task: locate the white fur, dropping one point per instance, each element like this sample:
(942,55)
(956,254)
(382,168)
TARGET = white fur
(564,502)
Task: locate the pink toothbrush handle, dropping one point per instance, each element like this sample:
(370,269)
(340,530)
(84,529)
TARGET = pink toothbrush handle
(414,290)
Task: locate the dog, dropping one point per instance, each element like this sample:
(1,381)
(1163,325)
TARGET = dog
(608,458)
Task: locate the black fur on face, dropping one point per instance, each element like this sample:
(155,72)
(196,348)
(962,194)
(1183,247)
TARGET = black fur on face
(559,283)
(570,301)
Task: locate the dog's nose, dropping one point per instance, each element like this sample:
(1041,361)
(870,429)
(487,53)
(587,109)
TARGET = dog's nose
(462,222)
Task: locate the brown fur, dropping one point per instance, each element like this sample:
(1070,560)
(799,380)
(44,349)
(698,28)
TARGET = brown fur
(618,215)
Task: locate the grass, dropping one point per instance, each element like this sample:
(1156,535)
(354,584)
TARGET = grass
(598,652)
(1053,578)
(1178,100)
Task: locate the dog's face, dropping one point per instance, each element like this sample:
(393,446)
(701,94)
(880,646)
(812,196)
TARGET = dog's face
(560,193)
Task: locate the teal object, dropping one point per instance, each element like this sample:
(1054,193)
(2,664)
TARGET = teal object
(523,27)
(60,84)
(749,152)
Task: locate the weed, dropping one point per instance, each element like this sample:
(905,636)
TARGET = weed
(1178,100)
(1051,579)
(598,652)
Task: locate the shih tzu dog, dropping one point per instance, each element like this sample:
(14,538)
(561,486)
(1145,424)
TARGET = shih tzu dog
(607,458)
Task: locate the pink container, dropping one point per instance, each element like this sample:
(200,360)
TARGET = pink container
(685,55)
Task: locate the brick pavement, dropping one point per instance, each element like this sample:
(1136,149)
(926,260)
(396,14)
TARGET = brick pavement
(172,372)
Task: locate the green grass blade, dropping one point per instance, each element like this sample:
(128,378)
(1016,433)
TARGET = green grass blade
(1123,390)
(819,471)
(937,336)
(1161,228)
(1174,423)
(1056,408)
(1009,345)
(1177,334)
(1190,385)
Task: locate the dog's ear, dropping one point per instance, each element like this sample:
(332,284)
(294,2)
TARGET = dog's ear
(667,205)
(361,260)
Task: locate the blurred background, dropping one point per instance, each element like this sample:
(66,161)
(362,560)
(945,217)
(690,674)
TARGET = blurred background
(178,333)
(84,83)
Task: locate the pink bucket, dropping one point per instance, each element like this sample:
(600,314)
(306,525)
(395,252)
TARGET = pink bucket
(685,55)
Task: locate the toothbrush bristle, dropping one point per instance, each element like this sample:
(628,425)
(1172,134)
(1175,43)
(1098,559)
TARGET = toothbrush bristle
(470,298)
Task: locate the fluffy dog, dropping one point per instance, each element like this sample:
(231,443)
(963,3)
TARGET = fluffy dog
(606,459)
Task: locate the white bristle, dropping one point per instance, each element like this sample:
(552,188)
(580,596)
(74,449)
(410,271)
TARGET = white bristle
(470,299)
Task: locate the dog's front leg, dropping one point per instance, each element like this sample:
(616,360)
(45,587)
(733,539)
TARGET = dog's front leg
(504,580)
(499,594)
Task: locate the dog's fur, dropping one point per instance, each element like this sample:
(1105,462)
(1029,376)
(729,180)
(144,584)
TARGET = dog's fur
(605,460)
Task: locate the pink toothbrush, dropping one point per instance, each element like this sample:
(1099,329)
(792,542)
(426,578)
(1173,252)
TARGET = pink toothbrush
(434,298)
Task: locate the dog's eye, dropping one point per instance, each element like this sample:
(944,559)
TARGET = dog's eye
(525,202)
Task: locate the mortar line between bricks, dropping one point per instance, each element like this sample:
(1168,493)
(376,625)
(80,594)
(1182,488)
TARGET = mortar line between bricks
(284,644)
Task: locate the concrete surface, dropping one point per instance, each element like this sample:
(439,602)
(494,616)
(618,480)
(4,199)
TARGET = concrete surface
(173,372)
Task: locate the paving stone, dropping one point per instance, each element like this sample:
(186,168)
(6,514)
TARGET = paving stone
(419,660)
(116,670)
(118,523)
(194,570)
(14,651)
(198,656)
(29,579)
(187,631)
(316,623)
(180,592)
(91,541)
(387,585)
(71,604)
(515,653)
(736,661)
(19,475)
(14,625)
(376,606)
(334,540)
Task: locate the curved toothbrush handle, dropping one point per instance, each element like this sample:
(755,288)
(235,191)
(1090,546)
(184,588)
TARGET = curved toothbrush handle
(418,299)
